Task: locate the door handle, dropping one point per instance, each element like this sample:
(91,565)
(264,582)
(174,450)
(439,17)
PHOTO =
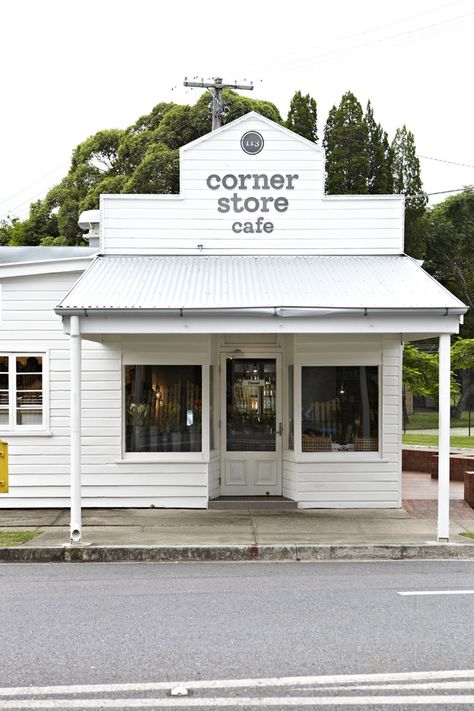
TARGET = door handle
(280,429)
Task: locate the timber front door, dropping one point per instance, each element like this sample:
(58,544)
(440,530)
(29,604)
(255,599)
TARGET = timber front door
(251,427)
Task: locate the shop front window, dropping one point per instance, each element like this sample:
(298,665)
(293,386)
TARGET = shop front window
(340,408)
(163,405)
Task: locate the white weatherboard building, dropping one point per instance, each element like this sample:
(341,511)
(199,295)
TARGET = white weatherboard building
(242,338)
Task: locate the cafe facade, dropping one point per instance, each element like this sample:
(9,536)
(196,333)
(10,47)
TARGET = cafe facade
(241,339)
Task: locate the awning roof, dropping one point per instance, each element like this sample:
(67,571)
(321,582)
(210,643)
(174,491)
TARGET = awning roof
(117,284)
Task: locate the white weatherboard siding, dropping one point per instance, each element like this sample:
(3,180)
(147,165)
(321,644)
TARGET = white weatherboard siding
(111,477)
(191,223)
(359,480)
(39,462)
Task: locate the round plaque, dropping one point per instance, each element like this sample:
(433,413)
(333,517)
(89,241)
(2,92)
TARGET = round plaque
(251,142)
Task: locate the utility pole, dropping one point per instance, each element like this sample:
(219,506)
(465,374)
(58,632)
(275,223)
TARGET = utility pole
(218,108)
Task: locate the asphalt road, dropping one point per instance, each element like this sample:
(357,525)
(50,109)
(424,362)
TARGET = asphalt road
(145,624)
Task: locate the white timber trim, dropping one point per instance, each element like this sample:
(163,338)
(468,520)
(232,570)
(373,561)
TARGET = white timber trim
(444,436)
(75,353)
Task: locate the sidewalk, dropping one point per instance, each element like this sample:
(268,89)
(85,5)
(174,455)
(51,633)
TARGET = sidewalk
(164,534)
(313,534)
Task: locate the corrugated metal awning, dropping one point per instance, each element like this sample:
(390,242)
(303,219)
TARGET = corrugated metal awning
(239,283)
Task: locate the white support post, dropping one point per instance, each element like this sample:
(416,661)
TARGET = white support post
(75,344)
(444,435)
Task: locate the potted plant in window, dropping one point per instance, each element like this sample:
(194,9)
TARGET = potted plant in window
(140,419)
(169,419)
(173,424)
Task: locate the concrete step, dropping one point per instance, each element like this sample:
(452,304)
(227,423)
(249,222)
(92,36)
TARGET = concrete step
(257,503)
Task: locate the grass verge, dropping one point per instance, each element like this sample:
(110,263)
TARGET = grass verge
(432,441)
(467,534)
(429,420)
(16,538)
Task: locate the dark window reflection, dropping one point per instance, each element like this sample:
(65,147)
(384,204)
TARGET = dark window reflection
(163,408)
(339,408)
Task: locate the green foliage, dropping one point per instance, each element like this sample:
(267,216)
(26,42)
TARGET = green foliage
(450,249)
(407,181)
(303,116)
(380,179)
(143,158)
(462,354)
(420,371)
(99,151)
(346,145)
(158,172)
(11,231)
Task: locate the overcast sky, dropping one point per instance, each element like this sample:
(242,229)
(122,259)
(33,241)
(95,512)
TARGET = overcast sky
(73,67)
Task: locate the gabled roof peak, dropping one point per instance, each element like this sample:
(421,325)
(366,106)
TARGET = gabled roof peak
(257,118)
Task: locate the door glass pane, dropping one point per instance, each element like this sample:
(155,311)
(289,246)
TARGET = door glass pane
(251,404)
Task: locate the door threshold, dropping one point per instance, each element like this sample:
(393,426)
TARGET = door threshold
(262,503)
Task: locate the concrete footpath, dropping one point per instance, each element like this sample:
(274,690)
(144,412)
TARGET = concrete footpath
(178,535)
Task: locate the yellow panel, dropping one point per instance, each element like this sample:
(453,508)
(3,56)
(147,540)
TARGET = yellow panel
(3,467)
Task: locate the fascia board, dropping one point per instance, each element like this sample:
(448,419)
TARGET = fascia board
(57,266)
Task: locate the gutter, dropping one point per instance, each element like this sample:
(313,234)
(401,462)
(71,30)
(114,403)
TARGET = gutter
(276,311)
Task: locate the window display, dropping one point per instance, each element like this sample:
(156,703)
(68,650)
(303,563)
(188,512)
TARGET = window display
(163,408)
(340,408)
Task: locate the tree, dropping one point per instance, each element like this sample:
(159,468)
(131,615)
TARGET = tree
(462,359)
(420,371)
(380,179)
(450,249)
(158,172)
(141,158)
(303,116)
(346,145)
(407,181)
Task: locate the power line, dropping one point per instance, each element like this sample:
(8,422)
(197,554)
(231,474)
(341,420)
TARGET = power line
(378,27)
(31,185)
(451,162)
(409,35)
(443,192)
(11,212)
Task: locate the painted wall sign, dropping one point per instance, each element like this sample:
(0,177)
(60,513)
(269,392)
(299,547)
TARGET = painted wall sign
(271,202)
(238,202)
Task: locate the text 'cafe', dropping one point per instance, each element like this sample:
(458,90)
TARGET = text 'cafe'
(241,339)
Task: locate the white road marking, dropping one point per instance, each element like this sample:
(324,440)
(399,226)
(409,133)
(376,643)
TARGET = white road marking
(219,702)
(437,592)
(324,680)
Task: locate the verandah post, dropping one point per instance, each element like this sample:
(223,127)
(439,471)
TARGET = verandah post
(444,435)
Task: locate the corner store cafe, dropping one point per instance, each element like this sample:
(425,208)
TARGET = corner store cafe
(242,338)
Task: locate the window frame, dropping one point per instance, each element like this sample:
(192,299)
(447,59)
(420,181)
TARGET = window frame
(348,456)
(12,427)
(164,457)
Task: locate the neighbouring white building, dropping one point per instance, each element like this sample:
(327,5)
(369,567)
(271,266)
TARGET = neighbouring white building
(242,338)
